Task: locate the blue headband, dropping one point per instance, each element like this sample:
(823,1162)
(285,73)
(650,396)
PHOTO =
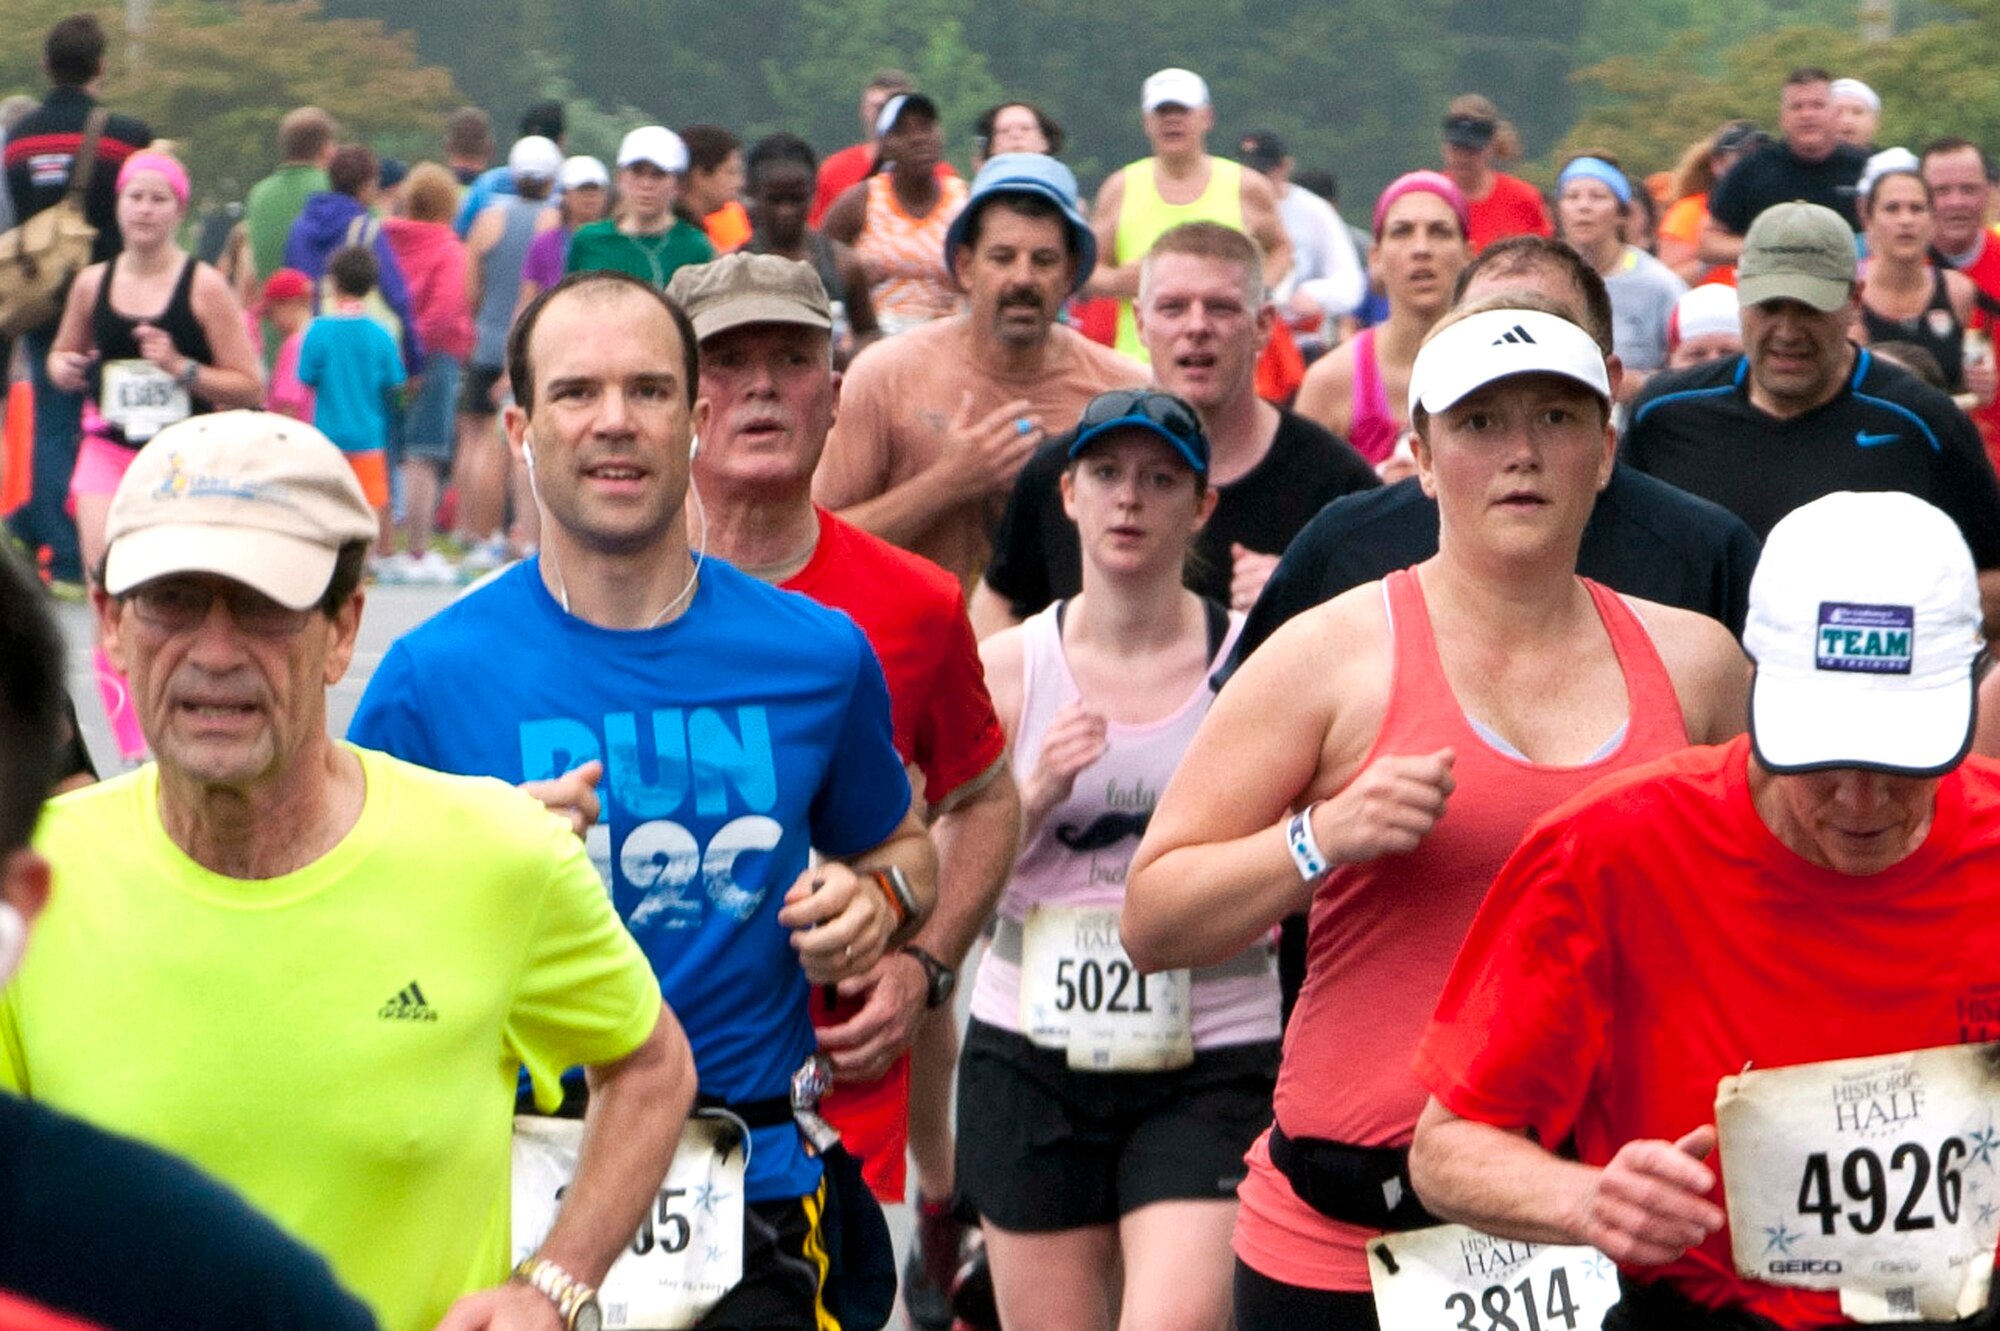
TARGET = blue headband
(1596,168)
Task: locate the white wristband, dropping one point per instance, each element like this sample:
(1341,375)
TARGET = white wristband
(1299,840)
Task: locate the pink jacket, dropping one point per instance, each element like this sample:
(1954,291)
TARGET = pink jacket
(433,260)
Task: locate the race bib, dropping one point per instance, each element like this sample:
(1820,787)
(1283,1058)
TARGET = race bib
(688,1252)
(1450,1278)
(1082,994)
(1872,1176)
(141,399)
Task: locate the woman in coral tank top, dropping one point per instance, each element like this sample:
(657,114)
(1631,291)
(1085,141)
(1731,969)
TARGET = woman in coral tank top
(1379,757)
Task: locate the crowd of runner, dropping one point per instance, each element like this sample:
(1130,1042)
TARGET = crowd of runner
(1447,747)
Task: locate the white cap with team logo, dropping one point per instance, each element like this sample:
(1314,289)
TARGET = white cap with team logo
(1464,357)
(1865,628)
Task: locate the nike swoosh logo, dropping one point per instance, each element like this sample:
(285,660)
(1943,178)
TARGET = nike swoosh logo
(1867,440)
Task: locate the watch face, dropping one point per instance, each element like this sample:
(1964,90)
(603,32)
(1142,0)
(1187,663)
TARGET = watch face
(942,986)
(589,1317)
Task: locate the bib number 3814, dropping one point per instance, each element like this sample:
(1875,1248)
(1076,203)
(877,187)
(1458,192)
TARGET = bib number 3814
(1081,993)
(1875,1177)
(1451,1278)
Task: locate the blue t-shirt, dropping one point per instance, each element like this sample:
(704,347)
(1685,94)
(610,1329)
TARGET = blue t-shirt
(752,728)
(352,365)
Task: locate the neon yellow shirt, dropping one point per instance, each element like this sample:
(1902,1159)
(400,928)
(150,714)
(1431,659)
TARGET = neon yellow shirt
(1143,217)
(340,1044)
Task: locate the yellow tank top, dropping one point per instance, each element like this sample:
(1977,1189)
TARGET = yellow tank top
(1143,216)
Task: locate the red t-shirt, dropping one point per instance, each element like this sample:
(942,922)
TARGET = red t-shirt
(1985,274)
(18,1314)
(1653,936)
(1512,207)
(945,727)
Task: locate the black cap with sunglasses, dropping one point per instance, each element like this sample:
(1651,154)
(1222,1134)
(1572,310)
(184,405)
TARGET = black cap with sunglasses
(1166,417)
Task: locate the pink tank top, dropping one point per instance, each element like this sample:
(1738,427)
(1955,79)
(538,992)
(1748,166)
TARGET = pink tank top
(1079,854)
(904,255)
(1371,427)
(1382,936)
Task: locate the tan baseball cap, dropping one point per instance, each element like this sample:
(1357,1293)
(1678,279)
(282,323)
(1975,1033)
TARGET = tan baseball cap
(252,496)
(740,289)
(1797,251)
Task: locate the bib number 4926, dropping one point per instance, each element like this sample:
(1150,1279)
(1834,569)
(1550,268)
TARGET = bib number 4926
(1868,1185)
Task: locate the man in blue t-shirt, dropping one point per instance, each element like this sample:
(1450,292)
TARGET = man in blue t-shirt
(738,727)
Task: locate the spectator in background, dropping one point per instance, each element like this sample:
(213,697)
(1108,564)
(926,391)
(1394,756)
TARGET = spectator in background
(305,149)
(468,143)
(711,196)
(1014,127)
(434,263)
(780,184)
(350,363)
(856,162)
(1808,164)
(1857,113)
(542,120)
(1594,203)
(40,155)
(390,176)
(12,110)
(1325,282)
(343,214)
(1694,176)
(286,305)
(1707,325)
(583,187)
(1497,204)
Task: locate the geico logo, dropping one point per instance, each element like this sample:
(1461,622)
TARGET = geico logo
(1804,1266)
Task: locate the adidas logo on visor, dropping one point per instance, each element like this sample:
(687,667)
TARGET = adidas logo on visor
(1516,334)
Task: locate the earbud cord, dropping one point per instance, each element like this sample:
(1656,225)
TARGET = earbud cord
(687,588)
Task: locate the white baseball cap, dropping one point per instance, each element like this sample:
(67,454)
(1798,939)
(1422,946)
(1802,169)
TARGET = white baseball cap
(1464,357)
(534,158)
(252,496)
(1865,627)
(1709,308)
(656,144)
(1173,87)
(582,173)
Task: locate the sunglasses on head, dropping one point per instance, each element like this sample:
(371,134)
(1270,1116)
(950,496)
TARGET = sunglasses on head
(1142,404)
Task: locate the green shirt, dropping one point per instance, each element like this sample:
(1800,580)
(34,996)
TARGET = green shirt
(648,258)
(274,204)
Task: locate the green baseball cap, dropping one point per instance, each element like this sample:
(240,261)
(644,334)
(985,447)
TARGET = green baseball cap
(1797,251)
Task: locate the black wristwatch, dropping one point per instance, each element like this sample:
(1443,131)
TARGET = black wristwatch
(939,979)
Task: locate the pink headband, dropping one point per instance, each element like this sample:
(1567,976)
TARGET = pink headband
(176,174)
(1422,182)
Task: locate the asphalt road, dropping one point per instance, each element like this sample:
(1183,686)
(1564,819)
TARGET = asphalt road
(390,612)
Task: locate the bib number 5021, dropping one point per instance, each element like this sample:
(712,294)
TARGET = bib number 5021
(1871,1184)
(1081,986)
(1514,1308)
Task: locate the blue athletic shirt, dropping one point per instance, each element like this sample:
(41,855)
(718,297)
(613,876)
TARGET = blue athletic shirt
(750,729)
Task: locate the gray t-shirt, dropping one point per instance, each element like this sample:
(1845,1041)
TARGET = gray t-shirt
(1643,292)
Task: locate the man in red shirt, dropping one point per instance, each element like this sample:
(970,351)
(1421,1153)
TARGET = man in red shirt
(1743,945)
(764,325)
(1961,192)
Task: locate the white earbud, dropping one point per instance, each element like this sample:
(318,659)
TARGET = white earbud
(694,446)
(13,940)
(528,454)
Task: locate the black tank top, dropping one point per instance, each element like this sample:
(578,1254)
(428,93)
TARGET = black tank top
(1936,329)
(111,332)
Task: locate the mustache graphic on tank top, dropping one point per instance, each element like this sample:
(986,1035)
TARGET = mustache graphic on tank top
(1107,829)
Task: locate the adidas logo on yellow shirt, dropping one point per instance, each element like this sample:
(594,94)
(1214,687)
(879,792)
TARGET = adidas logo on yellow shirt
(409,1005)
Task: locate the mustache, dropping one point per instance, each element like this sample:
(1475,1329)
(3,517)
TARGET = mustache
(1104,830)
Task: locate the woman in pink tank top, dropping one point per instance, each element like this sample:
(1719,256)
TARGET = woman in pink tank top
(1378,759)
(1107,1113)
(1356,390)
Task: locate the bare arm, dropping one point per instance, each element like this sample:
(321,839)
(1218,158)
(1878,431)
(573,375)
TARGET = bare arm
(1647,1207)
(235,378)
(71,352)
(844,219)
(1261,220)
(1717,244)
(860,301)
(1711,676)
(485,234)
(1327,395)
(981,456)
(1116,274)
(1214,871)
(989,611)
(637,1107)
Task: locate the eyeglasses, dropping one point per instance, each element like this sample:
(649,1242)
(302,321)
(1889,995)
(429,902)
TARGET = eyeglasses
(182,605)
(1144,405)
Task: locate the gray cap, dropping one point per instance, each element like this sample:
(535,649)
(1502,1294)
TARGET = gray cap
(740,289)
(1797,251)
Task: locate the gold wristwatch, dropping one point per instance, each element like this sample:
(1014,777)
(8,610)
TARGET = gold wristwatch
(575,1301)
